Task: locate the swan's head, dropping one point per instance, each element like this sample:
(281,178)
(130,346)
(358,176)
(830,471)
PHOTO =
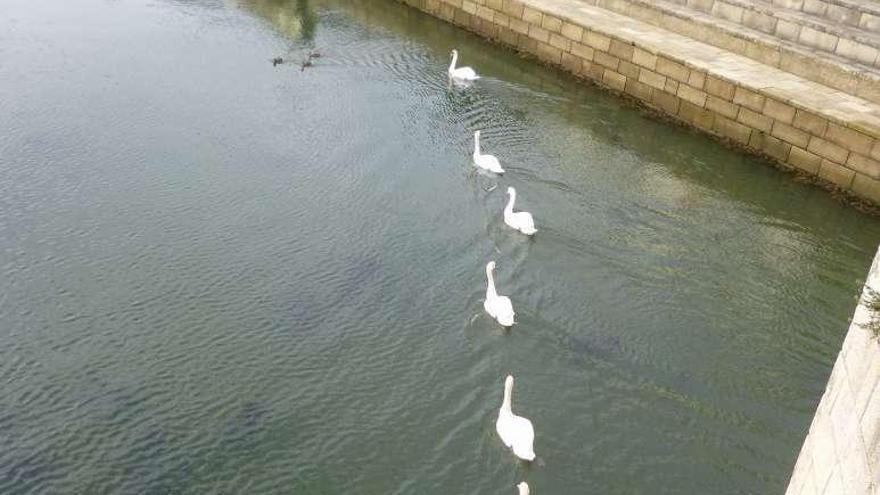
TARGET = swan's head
(508,382)
(511,191)
(523,488)
(453,53)
(490,266)
(476,134)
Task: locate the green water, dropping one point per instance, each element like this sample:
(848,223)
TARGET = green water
(220,276)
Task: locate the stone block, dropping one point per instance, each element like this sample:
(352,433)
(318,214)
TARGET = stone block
(779,111)
(693,114)
(519,26)
(697,79)
(561,42)
(789,31)
(671,86)
(870,22)
(572,31)
(836,174)
(722,107)
(628,69)
(551,23)
(549,53)
(572,63)
(614,80)
(672,69)
(462,18)
(469,7)
(823,454)
(644,59)
(496,5)
(667,102)
(849,138)
(621,50)
(732,130)
(508,37)
(766,54)
(719,88)
(864,165)
(856,51)
(605,60)
(513,8)
(639,90)
(597,40)
(501,20)
(594,71)
(727,11)
(539,33)
(868,188)
(790,134)
(701,5)
(754,120)
(748,99)
(652,79)
(804,160)
(759,21)
(583,51)
(692,95)
(817,39)
(815,7)
(486,13)
(770,145)
(827,149)
(810,122)
(843,15)
(532,16)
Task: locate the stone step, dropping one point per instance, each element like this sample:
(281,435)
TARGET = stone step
(855,13)
(795,121)
(829,69)
(807,29)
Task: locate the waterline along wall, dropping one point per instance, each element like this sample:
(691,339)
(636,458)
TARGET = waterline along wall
(841,454)
(797,84)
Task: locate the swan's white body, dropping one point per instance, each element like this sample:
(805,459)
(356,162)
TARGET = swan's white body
(523,488)
(461,73)
(485,162)
(515,431)
(498,307)
(520,220)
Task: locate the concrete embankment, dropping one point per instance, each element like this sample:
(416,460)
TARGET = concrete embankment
(841,454)
(797,86)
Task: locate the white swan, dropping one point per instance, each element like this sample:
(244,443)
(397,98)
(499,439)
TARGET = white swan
(515,431)
(461,73)
(485,162)
(523,488)
(520,220)
(498,307)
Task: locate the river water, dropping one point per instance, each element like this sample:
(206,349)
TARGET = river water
(220,276)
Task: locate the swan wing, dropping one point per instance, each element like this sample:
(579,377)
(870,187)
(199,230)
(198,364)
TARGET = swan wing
(517,434)
(465,73)
(525,222)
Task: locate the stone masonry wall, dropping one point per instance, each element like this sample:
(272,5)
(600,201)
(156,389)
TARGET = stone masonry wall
(840,153)
(841,454)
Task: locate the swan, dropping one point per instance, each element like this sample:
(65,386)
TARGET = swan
(520,220)
(523,488)
(515,431)
(461,73)
(498,307)
(485,162)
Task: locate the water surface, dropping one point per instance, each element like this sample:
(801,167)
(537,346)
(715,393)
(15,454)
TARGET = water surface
(220,276)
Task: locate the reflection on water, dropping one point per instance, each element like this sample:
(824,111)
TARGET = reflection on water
(220,276)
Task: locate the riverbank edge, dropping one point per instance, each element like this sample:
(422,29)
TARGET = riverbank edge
(821,149)
(841,452)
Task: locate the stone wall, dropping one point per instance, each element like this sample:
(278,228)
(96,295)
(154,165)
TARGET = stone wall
(841,454)
(674,76)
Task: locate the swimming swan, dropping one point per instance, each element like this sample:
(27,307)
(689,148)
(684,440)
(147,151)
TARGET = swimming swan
(515,431)
(520,220)
(498,307)
(485,162)
(461,73)
(523,488)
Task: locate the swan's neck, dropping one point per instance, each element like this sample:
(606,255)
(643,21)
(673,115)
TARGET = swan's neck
(490,287)
(452,63)
(508,210)
(476,144)
(508,391)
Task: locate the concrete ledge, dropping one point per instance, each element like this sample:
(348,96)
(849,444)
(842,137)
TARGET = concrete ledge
(841,453)
(800,124)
